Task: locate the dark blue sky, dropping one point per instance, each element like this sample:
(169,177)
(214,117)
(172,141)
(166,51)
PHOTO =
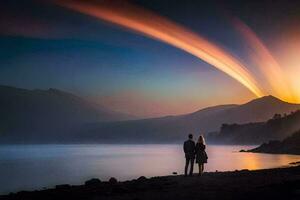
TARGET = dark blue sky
(43,46)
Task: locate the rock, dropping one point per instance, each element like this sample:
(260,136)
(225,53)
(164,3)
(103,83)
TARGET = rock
(62,187)
(113,180)
(295,163)
(93,181)
(142,178)
(245,170)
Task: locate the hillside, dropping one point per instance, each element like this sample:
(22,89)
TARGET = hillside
(277,128)
(29,115)
(290,145)
(175,128)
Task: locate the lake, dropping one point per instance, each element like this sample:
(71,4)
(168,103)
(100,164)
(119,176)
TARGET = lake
(28,167)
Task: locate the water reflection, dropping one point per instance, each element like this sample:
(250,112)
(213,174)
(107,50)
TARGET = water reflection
(33,166)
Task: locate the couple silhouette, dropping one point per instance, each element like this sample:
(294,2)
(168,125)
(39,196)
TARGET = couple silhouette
(194,150)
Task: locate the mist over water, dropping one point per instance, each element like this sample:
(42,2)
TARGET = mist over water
(28,167)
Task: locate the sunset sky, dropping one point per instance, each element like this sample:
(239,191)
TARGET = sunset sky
(127,68)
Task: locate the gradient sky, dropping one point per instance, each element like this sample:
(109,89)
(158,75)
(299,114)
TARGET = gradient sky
(43,45)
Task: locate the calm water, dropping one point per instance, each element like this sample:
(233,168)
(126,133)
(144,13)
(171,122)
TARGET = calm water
(27,167)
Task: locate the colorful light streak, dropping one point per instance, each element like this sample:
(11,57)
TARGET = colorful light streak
(162,29)
(267,64)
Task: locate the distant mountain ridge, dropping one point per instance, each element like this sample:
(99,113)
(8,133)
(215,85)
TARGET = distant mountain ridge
(26,113)
(175,128)
(55,116)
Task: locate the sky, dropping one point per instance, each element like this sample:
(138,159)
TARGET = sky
(45,44)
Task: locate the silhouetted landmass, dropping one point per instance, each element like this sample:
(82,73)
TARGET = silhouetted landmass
(290,145)
(277,128)
(282,183)
(54,116)
(45,115)
(175,128)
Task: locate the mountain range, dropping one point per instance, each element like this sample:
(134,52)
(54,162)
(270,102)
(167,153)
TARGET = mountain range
(29,114)
(55,116)
(176,128)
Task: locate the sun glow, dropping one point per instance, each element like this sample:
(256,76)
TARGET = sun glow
(288,52)
(266,63)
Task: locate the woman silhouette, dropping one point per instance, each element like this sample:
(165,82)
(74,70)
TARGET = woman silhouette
(201,156)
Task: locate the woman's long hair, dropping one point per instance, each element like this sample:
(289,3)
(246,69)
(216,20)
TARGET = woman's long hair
(201,140)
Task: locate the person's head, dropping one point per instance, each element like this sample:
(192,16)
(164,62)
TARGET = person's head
(190,136)
(201,140)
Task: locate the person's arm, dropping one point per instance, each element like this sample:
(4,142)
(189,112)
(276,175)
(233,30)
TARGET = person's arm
(184,147)
(196,148)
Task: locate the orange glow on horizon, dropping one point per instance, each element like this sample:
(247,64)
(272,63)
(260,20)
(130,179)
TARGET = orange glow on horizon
(162,29)
(288,51)
(267,64)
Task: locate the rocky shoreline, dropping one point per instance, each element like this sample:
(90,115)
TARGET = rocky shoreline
(264,184)
(290,145)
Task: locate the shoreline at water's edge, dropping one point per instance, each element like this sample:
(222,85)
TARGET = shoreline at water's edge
(269,152)
(263,183)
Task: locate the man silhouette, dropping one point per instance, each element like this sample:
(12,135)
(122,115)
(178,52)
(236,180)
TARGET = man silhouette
(189,150)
